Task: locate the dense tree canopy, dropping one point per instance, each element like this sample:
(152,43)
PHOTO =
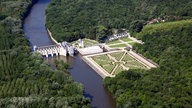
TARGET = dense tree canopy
(168,44)
(26,81)
(69,20)
(170,85)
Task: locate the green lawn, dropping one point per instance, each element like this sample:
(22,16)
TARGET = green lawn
(126,39)
(118,45)
(113,42)
(118,70)
(132,63)
(131,43)
(117,55)
(87,42)
(90,41)
(102,60)
(127,57)
(135,65)
(109,68)
(73,42)
(103,57)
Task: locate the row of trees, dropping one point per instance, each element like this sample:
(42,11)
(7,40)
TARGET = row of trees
(169,45)
(25,79)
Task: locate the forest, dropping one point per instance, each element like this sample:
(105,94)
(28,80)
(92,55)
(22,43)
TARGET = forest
(26,80)
(70,20)
(167,43)
(168,86)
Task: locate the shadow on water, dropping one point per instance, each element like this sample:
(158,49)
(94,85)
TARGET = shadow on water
(35,32)
(87,95)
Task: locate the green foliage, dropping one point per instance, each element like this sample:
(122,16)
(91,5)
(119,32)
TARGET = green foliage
(117,55)
(168,44)
(25,79)
(136,26)
(61,65)
(69,20)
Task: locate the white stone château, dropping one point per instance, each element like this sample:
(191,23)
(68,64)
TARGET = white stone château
(62,49)
(70,49)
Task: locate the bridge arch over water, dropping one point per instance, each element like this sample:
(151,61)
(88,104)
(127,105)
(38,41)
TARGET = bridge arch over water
(63,49)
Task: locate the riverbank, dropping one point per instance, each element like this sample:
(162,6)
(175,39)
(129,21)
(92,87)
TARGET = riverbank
(37,34)
(25,79)
(95,67)
(50,35)
(27,11)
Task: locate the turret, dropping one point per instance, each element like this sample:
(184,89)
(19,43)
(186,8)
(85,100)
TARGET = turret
(34,48)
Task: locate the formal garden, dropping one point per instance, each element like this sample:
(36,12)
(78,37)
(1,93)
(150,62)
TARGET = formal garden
(114,63)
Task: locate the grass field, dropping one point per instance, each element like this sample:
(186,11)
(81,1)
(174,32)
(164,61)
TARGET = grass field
(131,43)
(126,39)
(121,43)
(113,42)
(118,45)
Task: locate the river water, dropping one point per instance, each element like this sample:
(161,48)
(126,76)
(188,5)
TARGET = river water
(35,32)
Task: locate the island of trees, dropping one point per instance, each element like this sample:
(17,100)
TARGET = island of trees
(167,43)
(26,81)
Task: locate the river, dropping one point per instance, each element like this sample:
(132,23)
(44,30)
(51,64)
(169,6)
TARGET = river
(35,32)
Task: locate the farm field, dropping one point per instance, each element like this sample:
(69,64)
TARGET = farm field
(114,63)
